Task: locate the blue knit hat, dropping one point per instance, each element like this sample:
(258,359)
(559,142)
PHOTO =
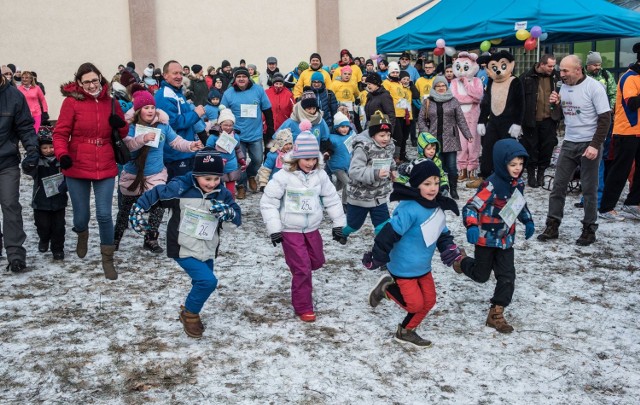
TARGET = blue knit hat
(214,93)
(306,144)
(317,77)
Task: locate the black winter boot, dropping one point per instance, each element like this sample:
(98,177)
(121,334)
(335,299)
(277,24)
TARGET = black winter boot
(551,231)
(588,235)
(453,186)
(532,181)
(151,242)
(540,176)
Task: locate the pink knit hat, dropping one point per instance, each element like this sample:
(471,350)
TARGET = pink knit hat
(142,98)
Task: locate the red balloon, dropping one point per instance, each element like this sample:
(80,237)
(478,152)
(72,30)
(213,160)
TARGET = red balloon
(531,43)
(438,51)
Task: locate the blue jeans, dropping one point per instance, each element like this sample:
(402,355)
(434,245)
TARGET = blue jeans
(356,216)
(80,193)
(203,282)
(255,151)
(449,164)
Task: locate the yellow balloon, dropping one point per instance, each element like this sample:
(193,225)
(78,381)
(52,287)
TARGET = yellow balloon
(496,41)
(523,35)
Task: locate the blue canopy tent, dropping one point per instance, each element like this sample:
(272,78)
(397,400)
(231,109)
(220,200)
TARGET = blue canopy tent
(466,23)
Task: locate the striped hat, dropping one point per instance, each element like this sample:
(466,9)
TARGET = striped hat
(306,145)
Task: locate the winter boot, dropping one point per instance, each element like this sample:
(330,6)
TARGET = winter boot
(551,230)
(472,174)
(151,242)
(457,264)
(453,186)
(588,235)
(379,292)
(43,246)
(241,192)
(496,320)
(475,183)
(532,181)
(83,240)
(107,261)
(308,317)
(409,336)
(253,185)
(191,323)
(464,174)
(540,176)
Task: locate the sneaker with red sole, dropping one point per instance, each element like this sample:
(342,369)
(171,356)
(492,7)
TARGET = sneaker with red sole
(308,317)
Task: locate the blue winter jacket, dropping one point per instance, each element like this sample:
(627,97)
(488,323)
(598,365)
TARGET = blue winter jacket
(319,130)
(327,103)
(341,158)
(182,118)
(230,158)
(154,163)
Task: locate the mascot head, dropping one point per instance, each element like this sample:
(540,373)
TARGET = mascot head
(465,65)
(500,66)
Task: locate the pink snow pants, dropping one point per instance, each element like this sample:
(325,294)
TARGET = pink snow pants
(303,254)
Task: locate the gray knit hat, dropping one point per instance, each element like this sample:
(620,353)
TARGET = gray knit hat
(593,58)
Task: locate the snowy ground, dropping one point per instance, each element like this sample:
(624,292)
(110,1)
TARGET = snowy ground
(67,335)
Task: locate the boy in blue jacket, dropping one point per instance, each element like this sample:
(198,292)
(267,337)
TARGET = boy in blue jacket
(406,245)
(489,217)
(340,159)
(199,204)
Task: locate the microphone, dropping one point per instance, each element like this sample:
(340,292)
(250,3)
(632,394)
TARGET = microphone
(558,86)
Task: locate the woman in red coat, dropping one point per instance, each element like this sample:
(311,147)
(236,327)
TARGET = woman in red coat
(82,144)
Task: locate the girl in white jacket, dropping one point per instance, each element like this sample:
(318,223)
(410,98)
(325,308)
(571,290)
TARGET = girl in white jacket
(291,207)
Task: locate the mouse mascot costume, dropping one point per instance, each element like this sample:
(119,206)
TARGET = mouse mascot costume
(468,90)
(501,110)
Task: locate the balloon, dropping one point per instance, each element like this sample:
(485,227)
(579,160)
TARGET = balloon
(485,46)
(543,36)
(449,50)
(522,34)
(438,51)
(536,31)
(440,43)
(496,41)
(530,44)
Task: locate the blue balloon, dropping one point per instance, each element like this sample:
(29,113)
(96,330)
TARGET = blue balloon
(543,36)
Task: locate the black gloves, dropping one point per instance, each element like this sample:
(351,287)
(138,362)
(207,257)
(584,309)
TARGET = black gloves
(203,135)
(338,236)
(30,162)
(116,122)
(65,162)
(276,238)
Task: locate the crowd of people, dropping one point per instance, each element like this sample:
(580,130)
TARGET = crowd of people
(317,138)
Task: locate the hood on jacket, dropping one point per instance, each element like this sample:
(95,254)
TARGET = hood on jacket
(160,118)
(504,151)
(424,139)
(71,89)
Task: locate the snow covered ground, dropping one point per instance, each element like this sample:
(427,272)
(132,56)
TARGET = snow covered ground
(67,335)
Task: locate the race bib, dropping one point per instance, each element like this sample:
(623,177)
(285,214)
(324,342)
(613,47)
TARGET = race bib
(432,227)
(142,129)
(52,184)
(349,143)
(198,224)
(226,142)
(381,164)
(248,111)
(512,208)
(300,201)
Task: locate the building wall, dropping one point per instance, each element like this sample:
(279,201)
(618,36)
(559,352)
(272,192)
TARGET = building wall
(54,38)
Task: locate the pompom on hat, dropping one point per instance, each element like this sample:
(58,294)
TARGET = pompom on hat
(306,144)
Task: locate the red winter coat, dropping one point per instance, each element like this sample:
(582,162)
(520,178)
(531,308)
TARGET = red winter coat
(83,133)
(281,106)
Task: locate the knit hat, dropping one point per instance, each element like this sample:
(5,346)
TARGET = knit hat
(340,120)
(422,171)
(252,66)
(271,59)
(317,77)
(142,98)
(126,78)
(368,62)
(240,71)
(405,54)
(196,68)
(225,63)
(345,52)
(45,136)
(393,67)
(404,73)
(593,58)
(309,100)
(277,77)
(148,72)
(306,145)
(282,137)
(373,78)
(131,65)
(226,115)
(302,66)
(346,69)
(379,122)
(208,162)
(214,93)
(315,55)
(334,66)
(242,62)
(157,72)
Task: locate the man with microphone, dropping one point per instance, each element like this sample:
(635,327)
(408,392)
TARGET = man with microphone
(540,117)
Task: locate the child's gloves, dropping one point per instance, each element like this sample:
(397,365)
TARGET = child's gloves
(222,211)
(473,234)
(116,122)
(276,238)
(338,236)
(243,164)
(137,220)
(450,255)
(529,230)
(65,162)
(369,262)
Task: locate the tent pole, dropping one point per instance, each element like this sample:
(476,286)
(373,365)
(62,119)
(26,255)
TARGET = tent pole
(538,51)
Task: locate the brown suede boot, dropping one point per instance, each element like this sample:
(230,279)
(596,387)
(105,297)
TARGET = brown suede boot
(463,175)
(253,185)
(475,183)
(83,240)
(241,193)
(191,323)
(107,261)
(496,320)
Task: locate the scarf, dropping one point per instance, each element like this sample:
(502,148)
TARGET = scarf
(298,114)
(405,192)
(440,98)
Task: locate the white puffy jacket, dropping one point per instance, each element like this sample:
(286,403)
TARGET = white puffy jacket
(272,203)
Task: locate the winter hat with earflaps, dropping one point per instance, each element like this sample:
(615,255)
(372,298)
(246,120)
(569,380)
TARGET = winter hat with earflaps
(283,137)
(306,144)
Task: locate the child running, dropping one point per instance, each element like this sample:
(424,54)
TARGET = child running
(341,140)
(198,205)
(227,143)
(489,217)
(274,161)
(406,245)
(291,207)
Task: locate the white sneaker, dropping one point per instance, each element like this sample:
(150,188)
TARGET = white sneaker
(632,210)
(611,216)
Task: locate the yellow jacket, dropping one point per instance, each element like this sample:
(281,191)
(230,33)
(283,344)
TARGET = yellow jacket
(398,94)
(345,91)
(305,80)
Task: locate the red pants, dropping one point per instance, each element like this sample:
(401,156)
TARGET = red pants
(416,296)
(231,186)
(303,254)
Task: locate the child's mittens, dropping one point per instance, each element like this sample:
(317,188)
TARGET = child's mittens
(65,162)
(137,220)
(450,255)
(473,234)
(222,211)
(529,230)
(369,262)
(276,238)
(338,236)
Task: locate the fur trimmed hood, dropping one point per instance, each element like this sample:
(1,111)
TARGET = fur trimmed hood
(72,89)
